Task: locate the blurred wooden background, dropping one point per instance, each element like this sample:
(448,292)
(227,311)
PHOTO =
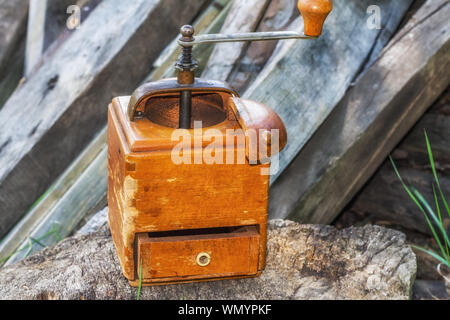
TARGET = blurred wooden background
(348,100)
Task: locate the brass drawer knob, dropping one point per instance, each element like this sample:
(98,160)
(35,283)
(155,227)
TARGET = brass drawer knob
(203,259)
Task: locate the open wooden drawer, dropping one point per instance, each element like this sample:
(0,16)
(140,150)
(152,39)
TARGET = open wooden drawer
(193,254)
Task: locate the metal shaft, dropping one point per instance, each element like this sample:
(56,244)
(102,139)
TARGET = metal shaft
(185,109)
(186,66)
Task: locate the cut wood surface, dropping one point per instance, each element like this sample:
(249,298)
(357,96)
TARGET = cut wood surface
(35,147)
(371,119)
(244,16)
(304,80)
(13,25)
(303,262)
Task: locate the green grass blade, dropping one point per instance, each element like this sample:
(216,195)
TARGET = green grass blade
(447,208)
(433,215)
(405,186)
(3,260)
(433,169)
(428,209)
(38,242)
(436,237)
(434,255)
(438,209)
(423,205)
(430,225)
(30,248)
(430,156)
(413,197)
(140,282)
(53,231)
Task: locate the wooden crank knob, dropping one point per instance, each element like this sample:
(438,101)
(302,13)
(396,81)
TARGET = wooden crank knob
(314,13)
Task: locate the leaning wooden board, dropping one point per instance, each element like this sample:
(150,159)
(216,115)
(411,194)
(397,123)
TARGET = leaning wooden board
(47,28)
(278,16)
(62,107)
(81,189)
(385,199)
(304,80)
(13,17)
(13,24)
(391,22)
(371,119)
(244,16)
(37,12)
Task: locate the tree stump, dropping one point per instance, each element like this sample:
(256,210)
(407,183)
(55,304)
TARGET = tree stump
(304,262)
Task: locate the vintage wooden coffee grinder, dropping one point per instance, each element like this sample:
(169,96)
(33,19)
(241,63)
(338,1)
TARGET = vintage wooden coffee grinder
(199,219)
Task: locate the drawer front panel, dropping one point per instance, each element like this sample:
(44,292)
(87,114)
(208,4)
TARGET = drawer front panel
(204,255)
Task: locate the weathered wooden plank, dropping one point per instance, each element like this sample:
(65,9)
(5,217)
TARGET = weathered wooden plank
(371,119)
(278,16)
(437,124)
(210,21)
(74,204)
(35,147)
(304,80)
(35,34)
(386,32)
(244,16)
(60,206)
(383,201)
(59,17)
(12,74)
(384,198)
(48,27)
(13,17)
(13,24)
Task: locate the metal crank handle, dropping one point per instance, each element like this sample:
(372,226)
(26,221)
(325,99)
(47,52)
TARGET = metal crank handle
(237,37)
(314,14)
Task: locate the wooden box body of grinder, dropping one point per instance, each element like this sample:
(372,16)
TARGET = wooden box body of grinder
(202,218)
(187,222)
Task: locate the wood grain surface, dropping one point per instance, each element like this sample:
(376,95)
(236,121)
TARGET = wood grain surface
(54,123)
(366,125)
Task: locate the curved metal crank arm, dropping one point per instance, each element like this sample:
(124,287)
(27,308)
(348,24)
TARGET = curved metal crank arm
(238,37)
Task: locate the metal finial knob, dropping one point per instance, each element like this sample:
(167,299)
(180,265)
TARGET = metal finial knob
(187,32)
